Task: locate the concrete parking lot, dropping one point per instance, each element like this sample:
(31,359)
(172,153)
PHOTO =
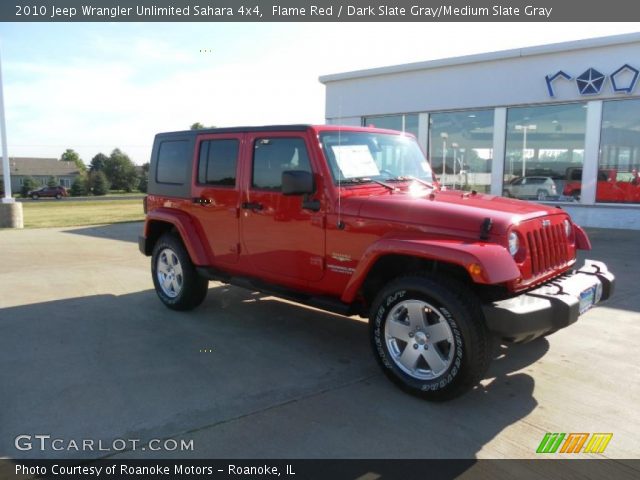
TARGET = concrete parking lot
(87,351)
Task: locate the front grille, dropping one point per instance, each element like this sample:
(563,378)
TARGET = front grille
(548,248)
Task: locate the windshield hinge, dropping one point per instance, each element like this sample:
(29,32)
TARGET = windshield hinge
(485,228)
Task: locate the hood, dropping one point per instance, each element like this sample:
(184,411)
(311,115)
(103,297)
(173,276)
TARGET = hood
(451,209)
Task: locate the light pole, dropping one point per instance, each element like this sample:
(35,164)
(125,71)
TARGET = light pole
(3,138)
(463,172)
(455,159)
(10,210)
(444,136)
(525,129)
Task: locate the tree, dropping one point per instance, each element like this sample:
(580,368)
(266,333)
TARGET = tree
(71,155)
(197,126)
(120,171)
(28,184)
(97,162)
(79,186)
(143,178)
(143,183)
(98,183)
(52,182)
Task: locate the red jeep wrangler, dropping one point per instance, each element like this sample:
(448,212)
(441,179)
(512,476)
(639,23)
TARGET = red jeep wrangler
(612,185)
(353,221)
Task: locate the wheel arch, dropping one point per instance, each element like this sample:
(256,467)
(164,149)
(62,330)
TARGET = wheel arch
(476,263)
(390,266)
(160,222)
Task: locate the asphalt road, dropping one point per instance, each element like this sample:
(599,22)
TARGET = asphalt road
(87,351)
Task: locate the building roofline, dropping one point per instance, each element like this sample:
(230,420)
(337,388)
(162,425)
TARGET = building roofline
(40,167)
(484,57)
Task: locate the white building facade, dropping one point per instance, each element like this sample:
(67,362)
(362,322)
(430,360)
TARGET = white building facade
(557,123)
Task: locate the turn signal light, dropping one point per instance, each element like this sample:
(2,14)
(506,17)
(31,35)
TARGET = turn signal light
(474,269)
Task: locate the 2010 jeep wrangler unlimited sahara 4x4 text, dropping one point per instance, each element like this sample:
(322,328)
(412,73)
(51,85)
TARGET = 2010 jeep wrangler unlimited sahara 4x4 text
(352,220)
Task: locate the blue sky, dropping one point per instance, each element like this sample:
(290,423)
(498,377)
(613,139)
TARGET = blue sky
(97,86)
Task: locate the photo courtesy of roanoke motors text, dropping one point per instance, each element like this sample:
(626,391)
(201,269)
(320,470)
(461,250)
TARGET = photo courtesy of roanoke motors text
(319,239)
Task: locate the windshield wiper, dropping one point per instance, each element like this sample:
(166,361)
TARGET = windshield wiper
(404,178)
(367,180)
(385,185)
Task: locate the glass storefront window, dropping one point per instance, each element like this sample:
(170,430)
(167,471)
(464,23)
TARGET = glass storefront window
(403,123)
(619,160)
(460,149)
(544,152)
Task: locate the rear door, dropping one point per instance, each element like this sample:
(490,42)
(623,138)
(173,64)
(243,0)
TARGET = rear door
(282,239)
(216,193)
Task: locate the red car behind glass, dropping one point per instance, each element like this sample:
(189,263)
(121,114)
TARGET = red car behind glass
(612,186)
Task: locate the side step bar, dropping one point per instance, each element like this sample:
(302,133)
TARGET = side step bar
(322,302)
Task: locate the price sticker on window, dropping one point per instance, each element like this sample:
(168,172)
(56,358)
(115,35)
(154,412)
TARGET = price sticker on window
(355,161)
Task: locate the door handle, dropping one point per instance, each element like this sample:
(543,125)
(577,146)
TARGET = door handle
(252,206)
(202,201)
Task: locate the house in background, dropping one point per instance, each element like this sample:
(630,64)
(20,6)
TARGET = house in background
(41,170)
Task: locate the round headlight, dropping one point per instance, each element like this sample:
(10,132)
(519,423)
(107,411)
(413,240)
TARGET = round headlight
(514,243)
(567,227)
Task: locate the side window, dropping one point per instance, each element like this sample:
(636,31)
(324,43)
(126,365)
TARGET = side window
(218,161)
(272,156)
(172,156)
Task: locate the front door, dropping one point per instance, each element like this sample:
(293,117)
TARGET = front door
(282,239)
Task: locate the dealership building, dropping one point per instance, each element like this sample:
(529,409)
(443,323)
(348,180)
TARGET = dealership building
(555,123)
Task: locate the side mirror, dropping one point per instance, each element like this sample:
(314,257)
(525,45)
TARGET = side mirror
(297,182)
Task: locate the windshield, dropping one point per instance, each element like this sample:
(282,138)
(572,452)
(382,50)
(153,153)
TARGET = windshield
(364,156)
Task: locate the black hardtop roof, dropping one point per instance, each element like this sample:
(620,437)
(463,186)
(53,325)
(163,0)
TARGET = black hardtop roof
(264,128)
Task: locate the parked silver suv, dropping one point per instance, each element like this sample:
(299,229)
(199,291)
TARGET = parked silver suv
(539,188)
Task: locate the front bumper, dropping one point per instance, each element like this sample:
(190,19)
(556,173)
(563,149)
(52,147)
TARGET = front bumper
(552,306)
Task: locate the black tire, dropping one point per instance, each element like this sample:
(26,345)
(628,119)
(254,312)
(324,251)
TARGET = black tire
(192,287)
(576,195)
(542,195)
(469,346)
(35,196)
(58,196)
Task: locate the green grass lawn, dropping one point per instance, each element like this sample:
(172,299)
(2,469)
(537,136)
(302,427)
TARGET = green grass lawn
(122,193)
(69,213)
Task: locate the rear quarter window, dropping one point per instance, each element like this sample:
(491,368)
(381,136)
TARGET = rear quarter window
(172,156)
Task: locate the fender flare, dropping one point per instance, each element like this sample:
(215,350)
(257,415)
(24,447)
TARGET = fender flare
(497,265)
(188,229)
(582,239)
